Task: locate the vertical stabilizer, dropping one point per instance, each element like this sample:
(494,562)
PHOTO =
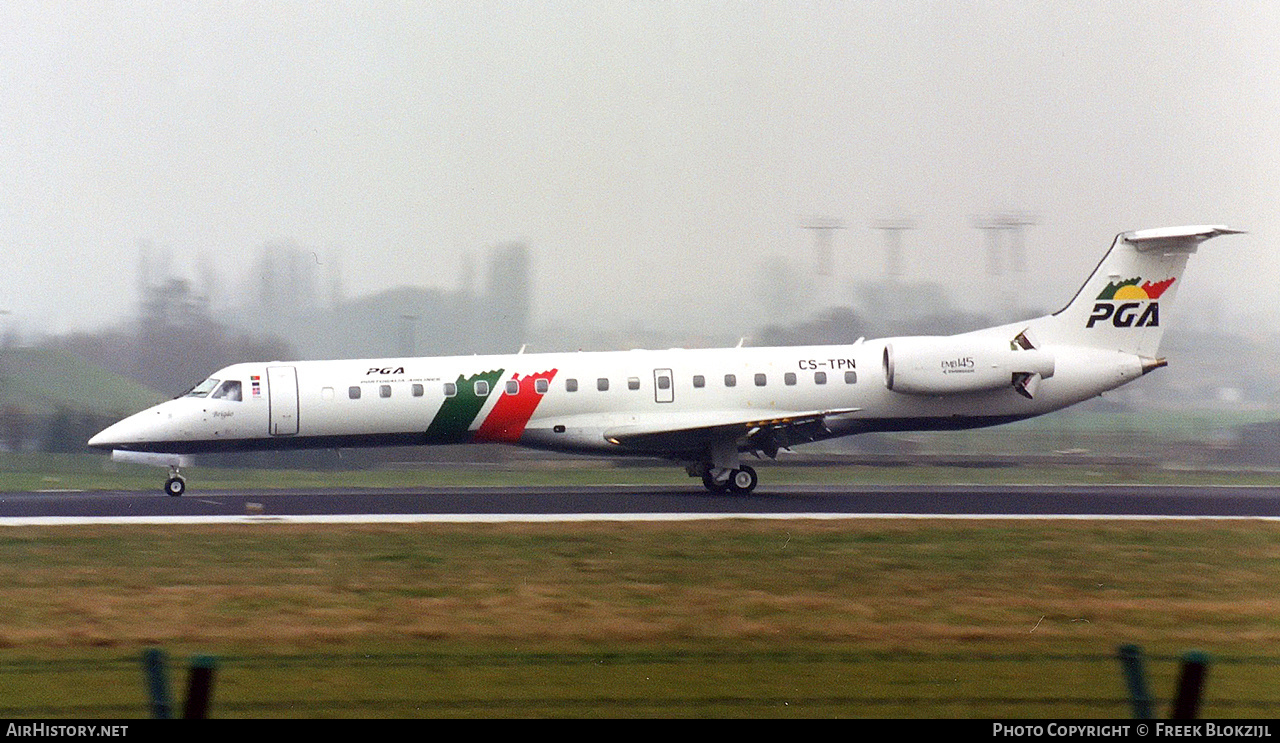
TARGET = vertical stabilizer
(1125,305)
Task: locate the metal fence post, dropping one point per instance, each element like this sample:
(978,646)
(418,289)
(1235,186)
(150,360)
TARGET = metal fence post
(1136,681)
(199,688)
(153,667)
(1195,665)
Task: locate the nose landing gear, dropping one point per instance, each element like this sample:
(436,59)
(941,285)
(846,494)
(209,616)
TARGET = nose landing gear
(176,485)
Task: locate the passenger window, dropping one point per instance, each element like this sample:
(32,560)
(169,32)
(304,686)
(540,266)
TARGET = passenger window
(540,386)
(450,389)
(850,377)
(417,390)
(384,390)
(353,393)
(699,381)
(819,377)
(789,378)
(230,390)
(730,380)
(602,384)
(513,387)
(633,383)
(761,380)
(570,385)
(482,388)
(664,382)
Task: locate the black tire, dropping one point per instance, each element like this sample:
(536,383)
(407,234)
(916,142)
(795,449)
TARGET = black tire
(743,480)
(709,482)
(175,487)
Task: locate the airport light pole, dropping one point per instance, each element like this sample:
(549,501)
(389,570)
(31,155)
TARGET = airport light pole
(893,229)
(823,232)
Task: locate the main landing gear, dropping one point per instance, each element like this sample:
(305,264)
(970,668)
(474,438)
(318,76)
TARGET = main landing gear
(725,472)
(741,480)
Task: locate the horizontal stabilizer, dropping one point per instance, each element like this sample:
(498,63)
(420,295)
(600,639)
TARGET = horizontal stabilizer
(1182,239)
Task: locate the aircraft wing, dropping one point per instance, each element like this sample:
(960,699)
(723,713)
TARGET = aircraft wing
(693,432)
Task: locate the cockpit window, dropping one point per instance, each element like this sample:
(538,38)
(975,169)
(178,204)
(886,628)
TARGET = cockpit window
(202,389)
(230,390)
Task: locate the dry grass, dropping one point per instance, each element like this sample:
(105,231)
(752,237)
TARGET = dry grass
(803,618)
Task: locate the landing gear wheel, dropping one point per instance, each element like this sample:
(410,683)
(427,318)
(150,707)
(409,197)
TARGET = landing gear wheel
(175,486)
(743,480)
(709,482)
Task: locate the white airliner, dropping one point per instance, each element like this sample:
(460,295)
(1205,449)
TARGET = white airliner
(701,408)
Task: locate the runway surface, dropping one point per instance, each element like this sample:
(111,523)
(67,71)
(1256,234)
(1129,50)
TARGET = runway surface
(645,502)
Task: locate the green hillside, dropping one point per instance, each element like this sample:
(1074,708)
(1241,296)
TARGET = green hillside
(41,382)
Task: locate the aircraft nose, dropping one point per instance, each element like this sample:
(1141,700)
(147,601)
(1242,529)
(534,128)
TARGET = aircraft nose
(136,429)
(108,438)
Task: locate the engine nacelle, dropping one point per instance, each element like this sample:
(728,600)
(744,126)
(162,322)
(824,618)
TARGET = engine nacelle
(954,366)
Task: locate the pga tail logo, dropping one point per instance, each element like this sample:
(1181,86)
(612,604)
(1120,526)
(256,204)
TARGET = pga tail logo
(1128,304)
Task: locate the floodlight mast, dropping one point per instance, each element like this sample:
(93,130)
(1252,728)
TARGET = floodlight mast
(1012,224)
(893,229)
(823,229)
(995,227)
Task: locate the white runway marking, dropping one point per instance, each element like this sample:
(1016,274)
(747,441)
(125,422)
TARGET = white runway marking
(539,518)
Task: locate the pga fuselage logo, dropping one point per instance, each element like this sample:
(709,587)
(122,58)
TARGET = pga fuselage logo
(1129,304)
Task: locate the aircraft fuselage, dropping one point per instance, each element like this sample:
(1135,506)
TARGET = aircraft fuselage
(701,407)
(573,402)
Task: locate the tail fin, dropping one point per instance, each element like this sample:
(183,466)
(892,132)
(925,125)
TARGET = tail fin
(1125,302)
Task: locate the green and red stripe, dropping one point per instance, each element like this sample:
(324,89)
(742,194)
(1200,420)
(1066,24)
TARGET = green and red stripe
(511,413)
(505,422)
(453,421)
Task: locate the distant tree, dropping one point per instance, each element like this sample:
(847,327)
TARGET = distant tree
(179,341)
(114,350)
(15,427)
(66,431)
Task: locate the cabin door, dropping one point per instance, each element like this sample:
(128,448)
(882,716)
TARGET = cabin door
(282,386)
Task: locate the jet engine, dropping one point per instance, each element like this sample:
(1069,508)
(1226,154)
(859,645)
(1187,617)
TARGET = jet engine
(960,365)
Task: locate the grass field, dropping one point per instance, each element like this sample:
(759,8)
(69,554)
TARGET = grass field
(720,619)
(34,472)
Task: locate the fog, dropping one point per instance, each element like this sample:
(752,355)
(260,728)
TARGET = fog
(658,159)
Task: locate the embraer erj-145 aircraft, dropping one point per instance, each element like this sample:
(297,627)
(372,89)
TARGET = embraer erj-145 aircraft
(702,408)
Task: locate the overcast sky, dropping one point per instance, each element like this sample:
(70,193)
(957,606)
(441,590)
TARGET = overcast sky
(654,155)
